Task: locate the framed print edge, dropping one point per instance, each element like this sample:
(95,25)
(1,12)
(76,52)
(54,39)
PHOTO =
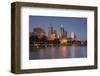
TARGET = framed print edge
(96,37)
(15,38)
(16,35)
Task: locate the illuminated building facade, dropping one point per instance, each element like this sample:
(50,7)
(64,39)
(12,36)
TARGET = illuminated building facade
(73,36)
(55,33)
(52,34)
(50,31)
(63,33)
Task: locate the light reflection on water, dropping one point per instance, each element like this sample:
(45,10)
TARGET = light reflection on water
(58,52)
(63,51)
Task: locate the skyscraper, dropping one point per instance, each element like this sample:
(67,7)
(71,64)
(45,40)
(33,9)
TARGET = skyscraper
(62,29)
(55,33)
(50,31)
(63,33)
(73,36)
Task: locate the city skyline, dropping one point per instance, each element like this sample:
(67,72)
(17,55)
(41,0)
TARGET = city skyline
(52,33)
(70,24)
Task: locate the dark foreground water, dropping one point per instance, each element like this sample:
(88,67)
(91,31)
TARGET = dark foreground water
(58,52)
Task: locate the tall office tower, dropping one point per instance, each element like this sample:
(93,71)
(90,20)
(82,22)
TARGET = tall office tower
(50,31)
(65,34)
(55,33)
(73,36)
(62,29)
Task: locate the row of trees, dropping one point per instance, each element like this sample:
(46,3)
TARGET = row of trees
(43,40)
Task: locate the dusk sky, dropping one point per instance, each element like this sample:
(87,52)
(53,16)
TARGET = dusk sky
(71,24)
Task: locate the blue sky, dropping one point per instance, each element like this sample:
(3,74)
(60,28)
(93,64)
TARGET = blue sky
(71,24)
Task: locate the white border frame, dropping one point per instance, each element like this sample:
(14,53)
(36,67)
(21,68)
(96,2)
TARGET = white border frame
(37,64)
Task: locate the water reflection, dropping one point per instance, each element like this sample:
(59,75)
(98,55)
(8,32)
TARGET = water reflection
(58,52)
(41,53)
(52,52)
(73,50)
(63,51)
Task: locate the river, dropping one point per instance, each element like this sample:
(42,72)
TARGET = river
(58,52)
